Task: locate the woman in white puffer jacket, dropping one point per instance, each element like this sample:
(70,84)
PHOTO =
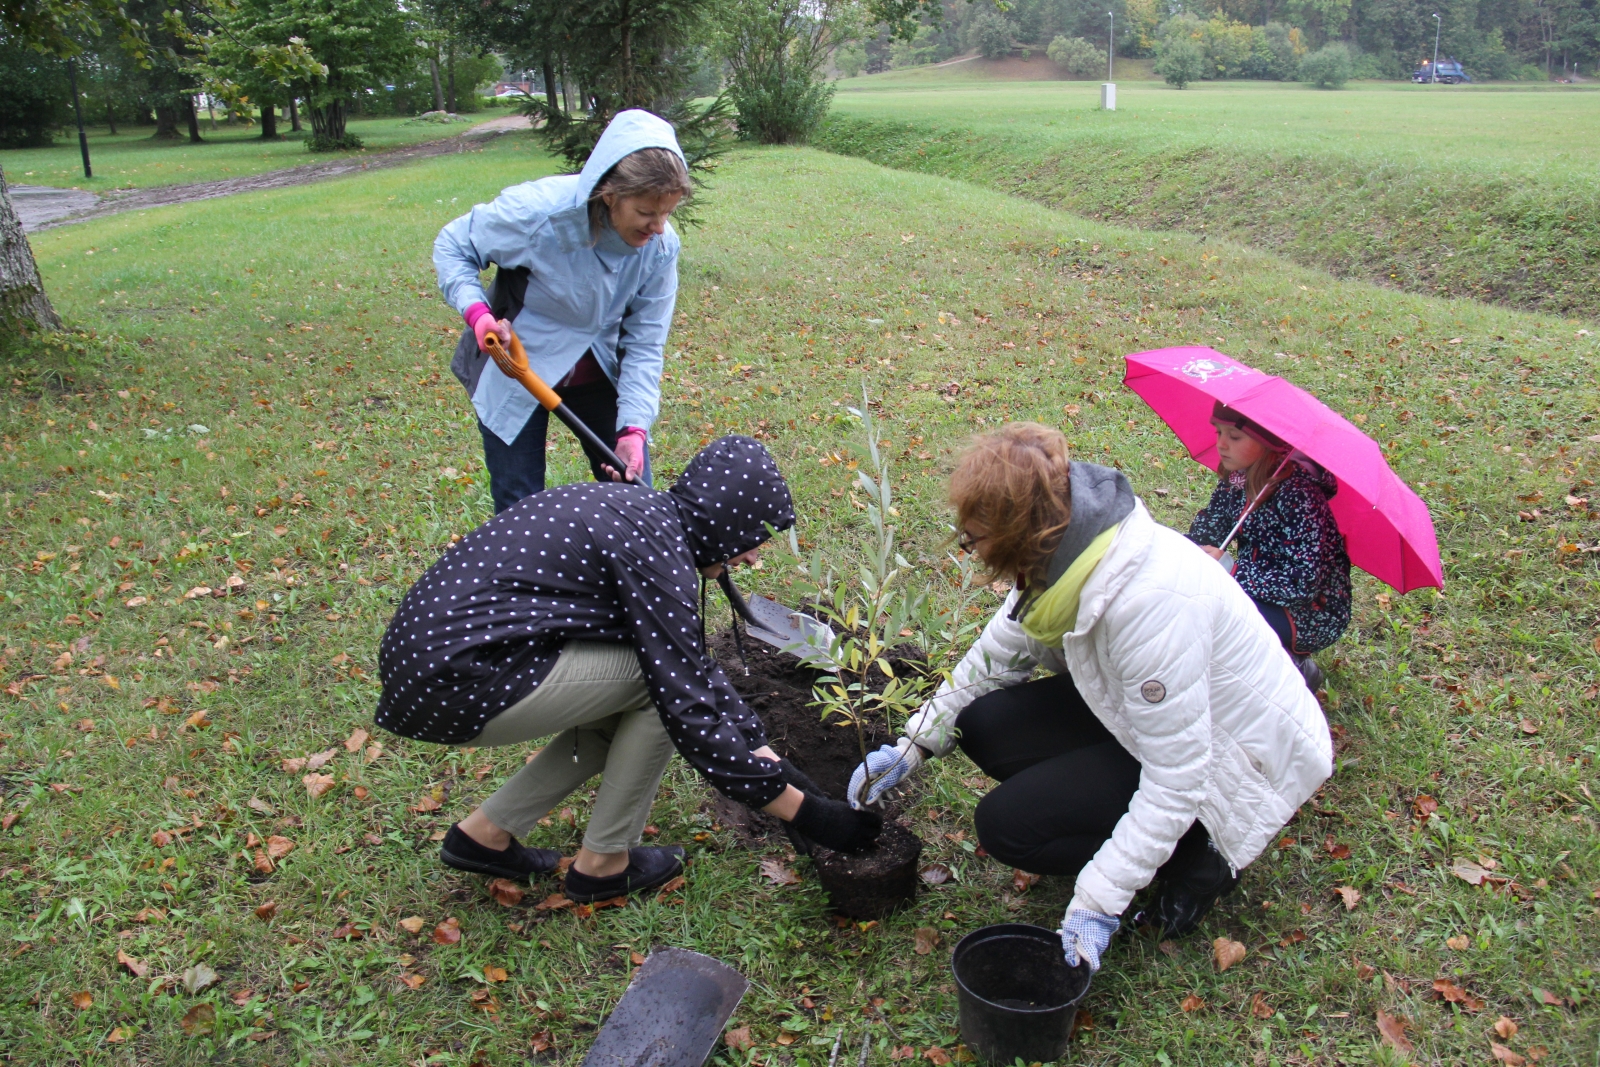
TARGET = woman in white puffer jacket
(1176,738)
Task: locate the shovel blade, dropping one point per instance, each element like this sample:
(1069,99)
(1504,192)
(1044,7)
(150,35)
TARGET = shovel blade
(672,1014)
(793,632)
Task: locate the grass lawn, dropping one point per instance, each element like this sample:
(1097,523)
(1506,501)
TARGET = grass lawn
(1483,191)
(131,160)
(286,434)
(1546,131)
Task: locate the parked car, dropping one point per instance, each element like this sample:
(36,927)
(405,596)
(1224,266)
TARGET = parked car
(1449,72)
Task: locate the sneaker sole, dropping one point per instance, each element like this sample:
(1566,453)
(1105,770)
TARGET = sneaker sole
(589,898)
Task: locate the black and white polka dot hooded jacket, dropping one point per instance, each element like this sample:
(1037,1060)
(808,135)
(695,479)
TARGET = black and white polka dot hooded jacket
(596,562)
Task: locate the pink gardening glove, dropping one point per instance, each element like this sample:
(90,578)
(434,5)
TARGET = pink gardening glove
(630,449)
(483,322)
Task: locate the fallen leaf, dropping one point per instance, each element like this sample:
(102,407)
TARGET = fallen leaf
(1192,1003)
(1505,1028)
(1336,850)
(739,1039)
(937,1056)
(197,721)
(149,915)
(1169,948)
(1469,872)
(1548,998)
(199,1020)
(1022,881)
(1505,1055)
(317,784)
(636,958)
(83,1000)
(413,924)
(927,939)
(264,863)
(506,892)
(197,591)
(242,997)
(265,912)
(1528,726)
(161,839)
(448,932)
(199,977)
(317,762)
(346,932)
(904,1052)
(257,804)
(413,981)
(1227,952)
(1349,894)
(1365,971)
(1392,1028)
(540,1042)
(935,874)
(136,602)
(611,902)
(356,740)
(491,973)
(775,872)
(118,1035)
(1456,995)
(279,847)
(553,902)
(135,968)
(786,1038)
(426,804)
(671,887)
(1423,807)
(1260,1008)
(1458,943)
(294,765)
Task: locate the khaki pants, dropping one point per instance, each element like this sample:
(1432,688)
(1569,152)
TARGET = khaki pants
(595,700)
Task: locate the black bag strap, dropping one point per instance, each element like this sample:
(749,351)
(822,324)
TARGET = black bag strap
(508,291)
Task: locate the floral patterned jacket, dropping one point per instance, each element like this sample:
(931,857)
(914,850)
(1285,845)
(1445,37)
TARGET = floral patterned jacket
(1289,552)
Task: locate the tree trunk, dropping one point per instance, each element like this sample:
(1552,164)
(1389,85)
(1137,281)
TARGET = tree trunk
(166,123)
(269,122)
(294,115)
(550,83)
(327,123)
(111,116)
(438,91)
(193,115)
(22,298)
(450,59)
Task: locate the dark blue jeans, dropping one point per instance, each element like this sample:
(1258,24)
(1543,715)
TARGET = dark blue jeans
(517,470)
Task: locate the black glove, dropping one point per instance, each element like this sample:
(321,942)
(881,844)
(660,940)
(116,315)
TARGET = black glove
(796,777)
(836,825)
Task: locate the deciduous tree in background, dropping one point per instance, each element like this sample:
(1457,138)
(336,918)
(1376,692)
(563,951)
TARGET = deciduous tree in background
(776,52)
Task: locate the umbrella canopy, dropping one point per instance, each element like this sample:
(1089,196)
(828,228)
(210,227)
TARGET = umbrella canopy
(1386,526)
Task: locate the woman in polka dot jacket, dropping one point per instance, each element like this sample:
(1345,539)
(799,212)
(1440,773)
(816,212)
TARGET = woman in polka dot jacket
(576,612)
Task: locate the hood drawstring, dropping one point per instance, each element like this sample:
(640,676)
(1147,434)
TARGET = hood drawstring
(737,607)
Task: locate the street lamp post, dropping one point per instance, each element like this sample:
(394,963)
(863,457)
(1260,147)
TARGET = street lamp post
(77,107)
(1433,73)
(1108,91)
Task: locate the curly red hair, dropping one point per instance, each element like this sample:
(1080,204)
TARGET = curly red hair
(1016,483)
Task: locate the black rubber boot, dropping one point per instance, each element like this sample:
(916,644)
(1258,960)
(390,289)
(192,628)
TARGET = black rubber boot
(1310,672)
(516,862)
(648,867)
(1189,884)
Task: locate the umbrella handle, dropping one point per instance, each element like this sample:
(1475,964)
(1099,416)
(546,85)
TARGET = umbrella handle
(1245,514)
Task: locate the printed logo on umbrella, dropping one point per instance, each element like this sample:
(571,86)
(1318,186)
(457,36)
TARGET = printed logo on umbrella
(1203,370)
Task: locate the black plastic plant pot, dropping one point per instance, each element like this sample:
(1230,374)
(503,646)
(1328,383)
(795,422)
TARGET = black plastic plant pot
(1018,995)
(870,885)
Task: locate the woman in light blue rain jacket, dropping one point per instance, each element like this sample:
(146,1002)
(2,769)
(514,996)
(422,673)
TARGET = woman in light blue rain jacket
(600,264)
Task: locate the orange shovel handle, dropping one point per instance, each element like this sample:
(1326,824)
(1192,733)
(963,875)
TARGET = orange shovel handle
(514,364)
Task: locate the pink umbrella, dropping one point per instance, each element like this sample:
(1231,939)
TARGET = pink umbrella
(1386,526)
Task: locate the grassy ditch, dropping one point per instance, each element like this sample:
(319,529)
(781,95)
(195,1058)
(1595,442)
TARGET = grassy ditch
(1376,184)
(291,422)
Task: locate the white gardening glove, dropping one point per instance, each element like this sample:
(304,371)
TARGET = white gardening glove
(887,767)
(1085,935)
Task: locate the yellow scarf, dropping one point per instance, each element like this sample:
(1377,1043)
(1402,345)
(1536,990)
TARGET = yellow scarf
(1056,611)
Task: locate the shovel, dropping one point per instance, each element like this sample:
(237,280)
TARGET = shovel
(514,364)
(672,1014)
(767,620)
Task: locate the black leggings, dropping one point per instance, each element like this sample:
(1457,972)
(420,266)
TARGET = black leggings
(1065,781)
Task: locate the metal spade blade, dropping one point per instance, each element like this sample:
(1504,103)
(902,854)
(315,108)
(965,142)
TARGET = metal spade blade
(793,632)
(672,1014)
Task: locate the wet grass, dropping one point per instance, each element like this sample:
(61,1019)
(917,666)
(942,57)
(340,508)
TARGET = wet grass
(1488,192)
(291,422)
(131,160)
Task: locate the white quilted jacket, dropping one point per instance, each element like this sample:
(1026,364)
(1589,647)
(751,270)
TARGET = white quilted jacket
(1178,664)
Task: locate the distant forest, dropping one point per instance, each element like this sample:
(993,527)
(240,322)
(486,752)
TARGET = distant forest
(1495,39)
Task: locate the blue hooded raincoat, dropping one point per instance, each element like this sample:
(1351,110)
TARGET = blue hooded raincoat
(603,296)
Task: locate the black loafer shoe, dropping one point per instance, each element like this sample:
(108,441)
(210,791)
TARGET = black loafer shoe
(516,862)
(1310,671)
(647,868)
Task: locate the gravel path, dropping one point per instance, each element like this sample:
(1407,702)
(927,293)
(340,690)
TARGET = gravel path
(43,207)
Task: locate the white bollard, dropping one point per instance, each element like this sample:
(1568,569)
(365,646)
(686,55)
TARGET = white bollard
(1108,96)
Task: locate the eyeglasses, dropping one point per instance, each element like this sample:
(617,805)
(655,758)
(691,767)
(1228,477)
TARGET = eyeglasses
(967,543)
